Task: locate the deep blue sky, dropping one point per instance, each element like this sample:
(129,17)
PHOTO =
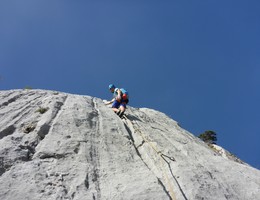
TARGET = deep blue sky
(196,61)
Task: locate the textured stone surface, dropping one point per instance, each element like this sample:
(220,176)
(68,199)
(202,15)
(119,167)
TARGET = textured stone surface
(55,145)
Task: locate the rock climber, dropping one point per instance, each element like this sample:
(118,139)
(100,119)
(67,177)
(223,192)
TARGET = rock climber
(119,101)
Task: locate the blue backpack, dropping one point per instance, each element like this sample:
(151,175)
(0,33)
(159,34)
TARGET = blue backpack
(124,91)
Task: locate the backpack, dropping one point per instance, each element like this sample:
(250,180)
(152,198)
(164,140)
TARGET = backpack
(125,95)
(124,91)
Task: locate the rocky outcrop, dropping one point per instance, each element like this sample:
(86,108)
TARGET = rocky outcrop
(55,145)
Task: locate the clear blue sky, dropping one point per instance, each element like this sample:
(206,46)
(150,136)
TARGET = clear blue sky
(196,61)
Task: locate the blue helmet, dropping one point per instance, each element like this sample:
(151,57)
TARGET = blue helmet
(111,86)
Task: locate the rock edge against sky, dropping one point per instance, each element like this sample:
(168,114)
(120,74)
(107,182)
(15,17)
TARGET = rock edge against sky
(55,145)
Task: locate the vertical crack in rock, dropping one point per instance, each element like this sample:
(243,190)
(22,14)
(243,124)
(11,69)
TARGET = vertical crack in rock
(164,188)
(130,132)
(177,182)
(133,141)
(168,188)
(45,127)
(58,106)
(146,164)
(94,121)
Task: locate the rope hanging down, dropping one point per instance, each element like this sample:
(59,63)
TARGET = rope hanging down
(162,158)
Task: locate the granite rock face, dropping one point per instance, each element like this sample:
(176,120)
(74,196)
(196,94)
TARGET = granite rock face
(56,146)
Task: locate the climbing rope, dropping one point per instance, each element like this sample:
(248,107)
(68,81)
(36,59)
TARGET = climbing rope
(161,158)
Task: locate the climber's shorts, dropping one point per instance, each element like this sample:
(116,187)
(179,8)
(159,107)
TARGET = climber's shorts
(117,104)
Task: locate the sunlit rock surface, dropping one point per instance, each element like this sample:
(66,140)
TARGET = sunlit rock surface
(55,145)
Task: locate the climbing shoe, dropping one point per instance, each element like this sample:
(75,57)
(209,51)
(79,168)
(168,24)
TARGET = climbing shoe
(118,112)
(121,114)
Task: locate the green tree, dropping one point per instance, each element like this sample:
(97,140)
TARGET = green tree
(209,137)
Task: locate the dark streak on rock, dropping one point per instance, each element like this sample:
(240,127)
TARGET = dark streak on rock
(86,182)
(7,131)
(164,188)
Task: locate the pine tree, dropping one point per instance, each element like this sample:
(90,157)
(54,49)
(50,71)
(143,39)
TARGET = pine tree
(209,137)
